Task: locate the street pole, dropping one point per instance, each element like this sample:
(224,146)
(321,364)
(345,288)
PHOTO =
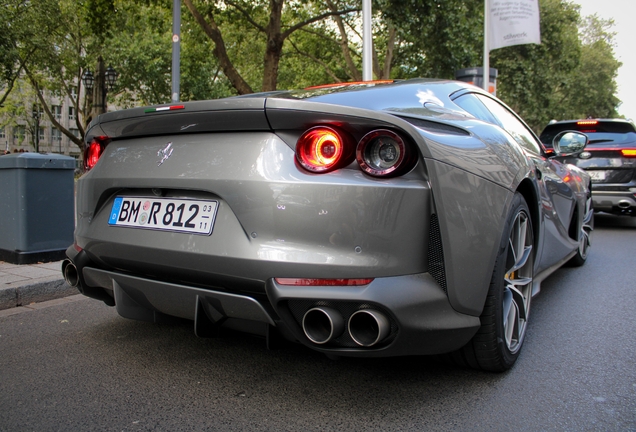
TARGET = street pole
(99,89)
(367,42)
(486,69)
(36,117)
(176,49)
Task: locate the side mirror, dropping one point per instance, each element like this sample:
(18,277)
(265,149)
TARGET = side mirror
(568,143)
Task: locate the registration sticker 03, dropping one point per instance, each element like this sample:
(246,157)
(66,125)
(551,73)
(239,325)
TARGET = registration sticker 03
(164,214)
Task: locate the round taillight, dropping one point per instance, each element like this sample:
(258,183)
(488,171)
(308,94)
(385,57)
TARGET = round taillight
(93,151)
(321,149)
(382,153)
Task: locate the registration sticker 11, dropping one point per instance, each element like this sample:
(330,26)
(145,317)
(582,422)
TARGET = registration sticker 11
(164,214)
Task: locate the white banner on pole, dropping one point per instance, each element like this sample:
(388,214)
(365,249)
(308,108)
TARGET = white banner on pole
(513,22)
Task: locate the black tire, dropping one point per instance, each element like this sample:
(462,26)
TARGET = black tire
(504,319)
(587,226)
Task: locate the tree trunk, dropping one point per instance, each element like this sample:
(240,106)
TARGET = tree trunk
(274,46)
(354,72)
(212,31)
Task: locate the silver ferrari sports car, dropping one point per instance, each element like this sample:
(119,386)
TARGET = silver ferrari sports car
(365,219)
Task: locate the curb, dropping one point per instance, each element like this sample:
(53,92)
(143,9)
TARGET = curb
(37,291)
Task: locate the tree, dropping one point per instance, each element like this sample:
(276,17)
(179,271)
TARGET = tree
(50,40)
(14,18)
(534,79)
(570,75)
(595,74)
(20,102)
(274,28)
(140,50)
(439,36)
(238,46)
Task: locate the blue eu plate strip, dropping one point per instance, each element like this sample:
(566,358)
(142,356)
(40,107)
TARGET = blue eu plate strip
(114,214)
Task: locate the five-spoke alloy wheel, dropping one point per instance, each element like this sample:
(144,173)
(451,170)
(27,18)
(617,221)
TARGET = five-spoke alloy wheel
(504,320)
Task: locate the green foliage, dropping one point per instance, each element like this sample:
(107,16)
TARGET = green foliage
(570,74)
(592,91)
(140,52)
(99,16)
(49,40)
(563,77)
(440,36)
(534,79)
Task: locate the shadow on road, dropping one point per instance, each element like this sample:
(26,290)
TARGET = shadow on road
(605,220)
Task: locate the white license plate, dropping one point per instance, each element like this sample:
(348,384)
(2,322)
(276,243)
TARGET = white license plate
(597,175)
(165,214)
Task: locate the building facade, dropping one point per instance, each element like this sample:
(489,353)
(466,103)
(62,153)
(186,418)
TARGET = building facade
(18,134)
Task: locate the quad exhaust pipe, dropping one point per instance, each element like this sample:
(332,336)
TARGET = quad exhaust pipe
(72,274)
(322,324)
(69,271)
(367,327)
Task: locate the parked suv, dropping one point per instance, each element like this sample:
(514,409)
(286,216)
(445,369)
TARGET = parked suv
(609,159)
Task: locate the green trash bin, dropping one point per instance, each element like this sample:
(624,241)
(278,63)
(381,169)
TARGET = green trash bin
(36,207)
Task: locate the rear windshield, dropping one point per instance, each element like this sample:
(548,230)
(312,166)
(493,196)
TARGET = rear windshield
(600,133)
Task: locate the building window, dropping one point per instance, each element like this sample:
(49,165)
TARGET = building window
(2,134)
(56,135)
(71,113)
(75,132)
(74,91)
(41,134)
(57,111)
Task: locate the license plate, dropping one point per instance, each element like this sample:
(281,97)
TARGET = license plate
(164,214)
(597,175)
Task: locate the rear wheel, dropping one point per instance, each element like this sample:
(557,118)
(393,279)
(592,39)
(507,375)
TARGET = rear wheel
(504,319)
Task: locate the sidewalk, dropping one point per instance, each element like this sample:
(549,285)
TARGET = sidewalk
(23,284)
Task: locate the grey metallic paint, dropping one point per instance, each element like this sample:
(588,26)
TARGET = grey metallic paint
(276,220)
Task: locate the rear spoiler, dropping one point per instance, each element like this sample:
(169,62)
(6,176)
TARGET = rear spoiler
(189,117)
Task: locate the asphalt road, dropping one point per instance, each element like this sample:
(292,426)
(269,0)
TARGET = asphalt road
(79,366)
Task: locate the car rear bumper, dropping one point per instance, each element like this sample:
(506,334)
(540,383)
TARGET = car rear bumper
(615,202)
(418,317)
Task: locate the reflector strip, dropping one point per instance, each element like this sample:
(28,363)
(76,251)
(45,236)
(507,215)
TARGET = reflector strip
(322,282)
(166,108)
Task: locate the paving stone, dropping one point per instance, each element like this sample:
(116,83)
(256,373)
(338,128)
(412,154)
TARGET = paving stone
(44,291)
(8,298)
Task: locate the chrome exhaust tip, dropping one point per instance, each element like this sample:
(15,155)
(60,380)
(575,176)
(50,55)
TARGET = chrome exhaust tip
(322,324)
(368,327)
(69,271)
(624,204)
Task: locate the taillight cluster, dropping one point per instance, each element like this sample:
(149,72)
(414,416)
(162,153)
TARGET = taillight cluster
(94,150)
(628,153)
(380,153)
(323,149)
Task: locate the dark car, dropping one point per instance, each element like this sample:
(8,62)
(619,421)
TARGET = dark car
(609,159)
(367,219)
